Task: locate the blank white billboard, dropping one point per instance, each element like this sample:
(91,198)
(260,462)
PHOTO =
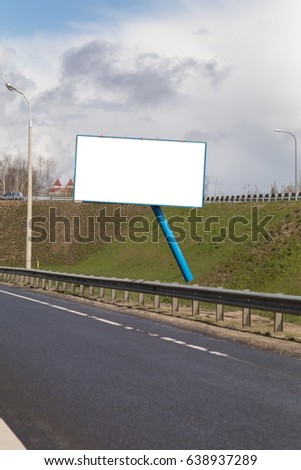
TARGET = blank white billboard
(139,171)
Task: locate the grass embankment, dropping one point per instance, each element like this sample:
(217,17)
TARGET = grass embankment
(238,246)
(243,246)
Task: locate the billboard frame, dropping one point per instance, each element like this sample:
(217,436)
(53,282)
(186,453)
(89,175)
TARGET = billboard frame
(161,219)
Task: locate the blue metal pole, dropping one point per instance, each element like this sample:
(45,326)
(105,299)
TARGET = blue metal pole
(173,245)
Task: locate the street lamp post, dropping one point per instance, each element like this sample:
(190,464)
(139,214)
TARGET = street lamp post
(296,162)
(29,176)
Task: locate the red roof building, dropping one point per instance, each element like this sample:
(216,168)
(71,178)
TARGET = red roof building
(58,190)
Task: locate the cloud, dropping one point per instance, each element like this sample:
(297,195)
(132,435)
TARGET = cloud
(132,79)
(224,71)
(6,54)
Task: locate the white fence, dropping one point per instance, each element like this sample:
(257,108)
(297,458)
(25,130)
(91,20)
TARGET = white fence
(258,197)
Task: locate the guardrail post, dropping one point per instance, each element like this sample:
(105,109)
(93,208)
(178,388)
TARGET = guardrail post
(278,322)
(140,299)
(157,300)
(126,296)
(195,307)
(219,312)
(113,294)
(81,290)
(175,304)
(91,291)
(246,315)
(101,292)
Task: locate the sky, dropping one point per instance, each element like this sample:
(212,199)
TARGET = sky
(225,72)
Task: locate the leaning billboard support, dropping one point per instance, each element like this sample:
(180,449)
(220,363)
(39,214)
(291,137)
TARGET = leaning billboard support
(153,172)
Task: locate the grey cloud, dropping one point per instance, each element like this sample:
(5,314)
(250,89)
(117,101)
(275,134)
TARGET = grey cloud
(202,32)
(148,79)
(207,136)
(212,71)
(95,59)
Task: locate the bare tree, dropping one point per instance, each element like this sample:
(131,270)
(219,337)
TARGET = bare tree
(4,166)
(13,174)
(274,188)
(44,175)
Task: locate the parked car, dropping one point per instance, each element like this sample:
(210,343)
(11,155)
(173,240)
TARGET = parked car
(12,195)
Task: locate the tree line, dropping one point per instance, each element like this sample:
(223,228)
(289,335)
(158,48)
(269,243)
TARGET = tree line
(13,174)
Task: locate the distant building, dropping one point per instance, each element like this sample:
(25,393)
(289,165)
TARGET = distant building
(59,190)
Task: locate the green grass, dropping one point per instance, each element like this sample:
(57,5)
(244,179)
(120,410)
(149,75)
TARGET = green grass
(220,259)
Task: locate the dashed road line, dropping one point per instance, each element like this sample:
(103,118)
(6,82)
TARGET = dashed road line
(199,348)
(104,320)
(217,353)
(112,323)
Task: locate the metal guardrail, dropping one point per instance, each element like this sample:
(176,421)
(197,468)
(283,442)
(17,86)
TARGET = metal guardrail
(247,300)
(249,197)
(257,197)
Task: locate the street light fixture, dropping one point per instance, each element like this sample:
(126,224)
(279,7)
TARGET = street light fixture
(296,163)
(29,176)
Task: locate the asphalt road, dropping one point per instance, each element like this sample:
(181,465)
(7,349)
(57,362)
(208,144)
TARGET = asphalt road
(78,376)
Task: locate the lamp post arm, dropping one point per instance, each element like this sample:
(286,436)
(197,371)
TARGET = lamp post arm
(29,107)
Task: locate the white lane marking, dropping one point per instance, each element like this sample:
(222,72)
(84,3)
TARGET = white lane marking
(8,440)
(199,348)
(112,323)
(78,313)
(217,353)
(180,342)
(41,302)
(172,340)
(23,297)
(58,307)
